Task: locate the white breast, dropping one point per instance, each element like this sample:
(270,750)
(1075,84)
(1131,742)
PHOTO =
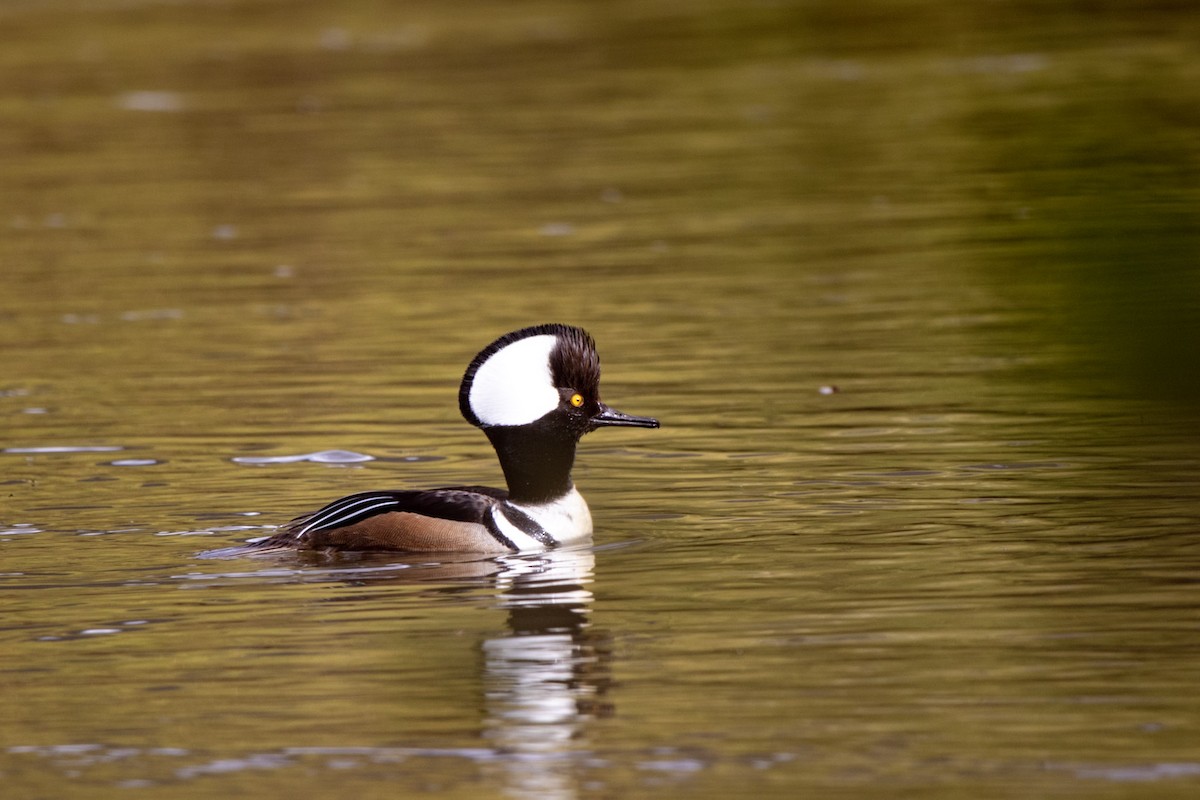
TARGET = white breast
(567,519)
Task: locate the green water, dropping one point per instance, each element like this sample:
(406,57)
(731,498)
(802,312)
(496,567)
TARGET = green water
(248,230)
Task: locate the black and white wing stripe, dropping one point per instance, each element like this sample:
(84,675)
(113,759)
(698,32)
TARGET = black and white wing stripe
(346,511)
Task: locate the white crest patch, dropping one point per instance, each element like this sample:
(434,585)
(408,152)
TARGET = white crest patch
(514,386)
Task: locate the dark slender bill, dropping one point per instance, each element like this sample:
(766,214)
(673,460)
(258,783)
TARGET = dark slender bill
(610,416)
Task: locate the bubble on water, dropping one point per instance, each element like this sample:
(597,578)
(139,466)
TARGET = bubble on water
(150,101)
(151,314)
(319,457)
(19,528)
(339,457)
(557,229)
(335,39)
(80,319)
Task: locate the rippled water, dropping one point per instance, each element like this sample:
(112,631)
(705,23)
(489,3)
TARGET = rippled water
(911,288)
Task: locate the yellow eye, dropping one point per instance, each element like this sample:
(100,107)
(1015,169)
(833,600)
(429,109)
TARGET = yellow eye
(577,400)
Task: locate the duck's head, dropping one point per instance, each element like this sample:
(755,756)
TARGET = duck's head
(545,377)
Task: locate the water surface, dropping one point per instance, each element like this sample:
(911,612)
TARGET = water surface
(911,288)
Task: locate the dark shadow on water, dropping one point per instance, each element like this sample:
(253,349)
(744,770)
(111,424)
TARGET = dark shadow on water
(1089,192)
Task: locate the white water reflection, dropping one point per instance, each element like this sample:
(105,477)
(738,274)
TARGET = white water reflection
(63,449)
(544,677)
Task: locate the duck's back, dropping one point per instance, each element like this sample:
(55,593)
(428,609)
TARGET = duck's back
(437,520)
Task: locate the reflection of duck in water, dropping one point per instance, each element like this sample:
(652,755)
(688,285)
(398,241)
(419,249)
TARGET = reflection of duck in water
(534,392)
(547,677)
(543,676)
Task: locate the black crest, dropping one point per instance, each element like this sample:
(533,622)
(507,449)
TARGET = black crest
(574,363)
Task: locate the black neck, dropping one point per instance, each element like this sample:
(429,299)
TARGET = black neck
(536,459)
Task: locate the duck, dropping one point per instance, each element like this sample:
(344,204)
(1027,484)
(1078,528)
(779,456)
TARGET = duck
(534,392)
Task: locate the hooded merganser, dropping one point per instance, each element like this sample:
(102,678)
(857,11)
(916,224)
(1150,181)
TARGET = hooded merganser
(534,392)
